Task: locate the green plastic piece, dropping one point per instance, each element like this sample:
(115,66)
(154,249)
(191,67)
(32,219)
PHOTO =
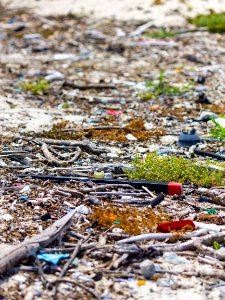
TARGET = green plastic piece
(211,211)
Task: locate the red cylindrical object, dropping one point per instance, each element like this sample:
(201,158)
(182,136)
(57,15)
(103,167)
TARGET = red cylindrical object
(174,225)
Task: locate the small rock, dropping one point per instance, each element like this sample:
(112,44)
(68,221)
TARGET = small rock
(202,98)
(54,76)
(147,268)
(165,282)
(174,259)
(201,79)
(94,201)
(206,116)
(201,89)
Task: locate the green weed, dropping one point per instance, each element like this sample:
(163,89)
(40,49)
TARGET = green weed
(162,87)
(218,132)
(160,34)
(216,245)
(35,87)
(213,21)
(166,168)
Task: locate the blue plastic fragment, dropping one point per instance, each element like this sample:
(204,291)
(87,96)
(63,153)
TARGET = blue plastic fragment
(6,148)
(52,258)
(25,197)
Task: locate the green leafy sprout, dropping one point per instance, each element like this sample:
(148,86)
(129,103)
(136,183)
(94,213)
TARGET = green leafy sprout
(215,22)
(160,33)
(216,245)
(162,87)
(155,167)
(35,87)
(218,132)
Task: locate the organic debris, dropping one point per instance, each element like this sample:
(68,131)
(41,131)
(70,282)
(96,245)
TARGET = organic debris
(130,219)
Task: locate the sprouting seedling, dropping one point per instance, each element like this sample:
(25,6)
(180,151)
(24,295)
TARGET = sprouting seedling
(35,87)
(216,245)
(218,132)
(163,87)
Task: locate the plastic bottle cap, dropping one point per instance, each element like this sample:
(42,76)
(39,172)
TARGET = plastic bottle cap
(188,139)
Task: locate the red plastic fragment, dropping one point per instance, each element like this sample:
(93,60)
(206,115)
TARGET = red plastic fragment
(174,188)
(174,225)
(113,112)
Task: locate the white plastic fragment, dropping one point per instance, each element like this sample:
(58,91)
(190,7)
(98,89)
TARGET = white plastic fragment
(64,56)
(82,209)
(130,137)
(26,190)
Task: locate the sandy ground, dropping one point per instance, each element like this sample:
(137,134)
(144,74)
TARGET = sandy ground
(170,12)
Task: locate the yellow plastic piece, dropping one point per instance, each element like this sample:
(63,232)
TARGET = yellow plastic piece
(99,175)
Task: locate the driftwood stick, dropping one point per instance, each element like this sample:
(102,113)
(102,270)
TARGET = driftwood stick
(69,262)
(88,86)
(91,128)
(83,145)
(160,236)
(15,254)
(52,158)
(80,285)
(105,187)
(73,192)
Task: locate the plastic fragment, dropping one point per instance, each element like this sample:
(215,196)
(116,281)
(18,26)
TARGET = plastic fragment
(175,226)
(23,197)
(113,112)
(188,139)
(211,211)
(52,258)
(140,282)
(99,174)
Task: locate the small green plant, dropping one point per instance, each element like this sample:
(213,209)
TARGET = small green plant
(162,87)
(65,105)
(216,245)
(160,34)
(35,87)
(218,132)
(170,168)
(213,21)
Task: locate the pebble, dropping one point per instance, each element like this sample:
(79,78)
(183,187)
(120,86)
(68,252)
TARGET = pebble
(201,88)
(147,268)
(165,282)
(174,259)
(54,76)
(94,201)
(206,116)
